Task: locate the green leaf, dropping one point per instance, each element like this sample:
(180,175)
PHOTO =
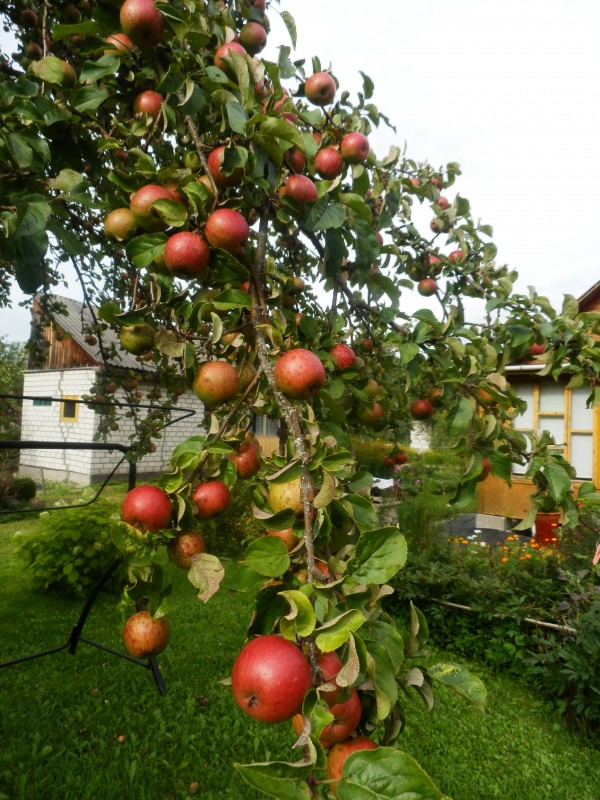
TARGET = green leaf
(232,298)
(460,416)
(170,211)
(33,220)
(168,343)
(378,556)
(92,71)
(381,671)
(461,681)
(143,250)
(362,479)
(361,510)
(89,98)
(324,215)
(326,492)
(385,774)
(82,28)
(206,574)
(280,128)
(290,24)
(570,307)
(334,633)
(559,481)
(268,556)
(278,779)
(237,117)
(66,181)
(301,619)
(50,70)
(20,151)
(368,86)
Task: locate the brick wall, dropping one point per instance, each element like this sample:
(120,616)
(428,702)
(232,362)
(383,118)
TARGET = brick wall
(44,423)
(420,435)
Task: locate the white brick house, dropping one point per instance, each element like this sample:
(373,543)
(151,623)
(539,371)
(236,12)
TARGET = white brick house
(71,368)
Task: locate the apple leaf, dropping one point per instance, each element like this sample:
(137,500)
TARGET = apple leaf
(278,779)
(351,669)
(290,24)
(166,342)
(301,619)
(461,681)
(274,522)
(324,214)
(287,473)
(269,607)
(232,298)
(334,633)
(418,632)
(378,556)
(460,416)
(206,574)
(268,556)
(383,676)
(143,250)
(326,492)
(361,510)
(387,635)
(50,69)
(385,774)
(282,129)
(171,211)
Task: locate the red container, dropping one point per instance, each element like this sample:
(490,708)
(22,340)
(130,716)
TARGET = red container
(547,524)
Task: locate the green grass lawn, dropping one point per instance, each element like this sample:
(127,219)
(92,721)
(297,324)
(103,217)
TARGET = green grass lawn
(61,716)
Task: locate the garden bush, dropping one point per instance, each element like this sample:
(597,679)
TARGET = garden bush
(15,492)
(502,585)
(72,549)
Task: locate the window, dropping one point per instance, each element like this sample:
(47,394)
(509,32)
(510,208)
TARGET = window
(68,409)
(42,401)
(264,426)
(562,412)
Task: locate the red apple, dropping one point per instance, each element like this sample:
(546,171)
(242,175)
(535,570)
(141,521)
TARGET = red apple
(346,719)
(370,415)
(253,37)
(211,498)
(433,264)
(147,508)
(537,349)
(388,461)
(246,375)
(456,257)
(294,159)
(187,255)
(299,188)
(427,287)
(270,678)
(141,207)
(401,458)
(120,224)
(287,536)
(342,355)
(142,22)
(330,664)
(329,163)
(443,202)
(29,19)
(300,374)
(215,162)
(118,43)
(437,182)
(228,230)
(320,89)
(148,102)
(146,636)
(246,459)
(224,52)
(367,344)
(185,545)
(354,148)
(421,409)
(339,753)
(216,382)
(486,468)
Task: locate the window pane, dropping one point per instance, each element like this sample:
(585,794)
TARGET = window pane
(581,417)
(271,426)
(552,397)
(525,392)
(69,409)
(581,454)
(42,402)
(556,426)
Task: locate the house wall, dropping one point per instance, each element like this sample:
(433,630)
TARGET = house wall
(44,423)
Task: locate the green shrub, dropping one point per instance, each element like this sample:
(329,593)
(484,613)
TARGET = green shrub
(72,549)
(370,453)
(25,489)
(15,492)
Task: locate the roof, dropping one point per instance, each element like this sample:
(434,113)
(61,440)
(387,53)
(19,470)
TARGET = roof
(590,300)
(73,323)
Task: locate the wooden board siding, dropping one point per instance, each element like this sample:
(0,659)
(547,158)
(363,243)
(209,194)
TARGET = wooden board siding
(63,352)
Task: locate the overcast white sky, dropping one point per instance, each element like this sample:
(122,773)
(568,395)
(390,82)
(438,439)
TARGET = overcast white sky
(510,90)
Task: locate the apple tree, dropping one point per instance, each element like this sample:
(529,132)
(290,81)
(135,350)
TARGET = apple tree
(227,216)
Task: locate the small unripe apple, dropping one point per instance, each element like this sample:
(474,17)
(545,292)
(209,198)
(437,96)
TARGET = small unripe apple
(120,224)
(137,339)
(286,495)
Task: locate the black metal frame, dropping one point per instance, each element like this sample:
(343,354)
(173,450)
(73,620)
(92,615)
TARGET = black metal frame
(76,633)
